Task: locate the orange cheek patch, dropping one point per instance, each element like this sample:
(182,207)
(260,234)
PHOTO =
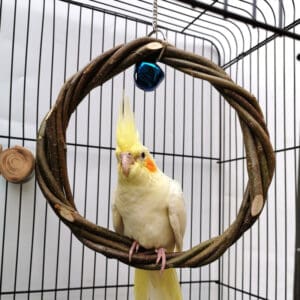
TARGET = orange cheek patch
(150,165)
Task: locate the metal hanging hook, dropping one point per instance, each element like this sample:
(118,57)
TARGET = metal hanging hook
(155,29)
(154,15)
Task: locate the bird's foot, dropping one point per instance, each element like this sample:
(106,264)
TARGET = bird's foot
(133,249)
(161,255)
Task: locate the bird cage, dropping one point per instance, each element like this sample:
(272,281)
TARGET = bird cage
(193,134)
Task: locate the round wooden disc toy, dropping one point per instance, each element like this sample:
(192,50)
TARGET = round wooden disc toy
(16,164)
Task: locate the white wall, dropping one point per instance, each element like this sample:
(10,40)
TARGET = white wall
(262,262)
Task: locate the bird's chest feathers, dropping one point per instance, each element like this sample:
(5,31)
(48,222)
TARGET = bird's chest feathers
(144,210)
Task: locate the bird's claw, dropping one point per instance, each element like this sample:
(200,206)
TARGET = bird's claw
(134,248)
(161,255)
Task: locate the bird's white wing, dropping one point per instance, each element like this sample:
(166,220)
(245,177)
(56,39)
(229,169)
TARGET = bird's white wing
(177,213)
(117,219)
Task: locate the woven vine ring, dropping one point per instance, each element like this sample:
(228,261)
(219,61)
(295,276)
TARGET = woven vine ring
(51,167)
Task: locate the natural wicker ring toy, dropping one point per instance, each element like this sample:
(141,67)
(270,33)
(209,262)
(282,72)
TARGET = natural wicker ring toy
(51,168)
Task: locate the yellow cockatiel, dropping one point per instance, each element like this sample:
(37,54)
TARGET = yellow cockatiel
(149,208)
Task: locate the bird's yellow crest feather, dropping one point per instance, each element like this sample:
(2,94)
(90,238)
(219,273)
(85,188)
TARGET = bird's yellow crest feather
(127,134)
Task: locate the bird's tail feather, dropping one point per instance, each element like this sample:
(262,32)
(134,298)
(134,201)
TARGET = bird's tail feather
(152,285)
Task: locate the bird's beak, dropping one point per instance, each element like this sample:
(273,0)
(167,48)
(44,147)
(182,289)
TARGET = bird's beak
(126,159)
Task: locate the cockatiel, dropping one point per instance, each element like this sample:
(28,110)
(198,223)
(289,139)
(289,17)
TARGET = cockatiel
(149,208)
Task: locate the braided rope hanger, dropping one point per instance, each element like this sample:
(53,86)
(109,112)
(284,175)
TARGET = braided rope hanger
(51,160)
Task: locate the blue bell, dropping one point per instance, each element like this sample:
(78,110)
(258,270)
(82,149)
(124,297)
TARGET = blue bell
(148,75)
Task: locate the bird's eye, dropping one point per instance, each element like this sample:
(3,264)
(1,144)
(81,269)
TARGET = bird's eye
(143,155)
